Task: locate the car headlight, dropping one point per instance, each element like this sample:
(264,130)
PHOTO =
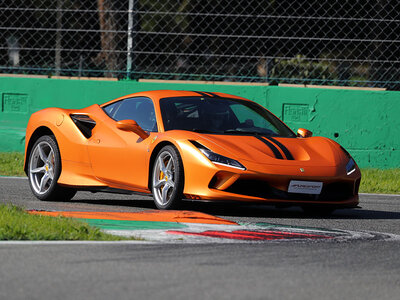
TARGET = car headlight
(351,166)
(217,158)
(222,160)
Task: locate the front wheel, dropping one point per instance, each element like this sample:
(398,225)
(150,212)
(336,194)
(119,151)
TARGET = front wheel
(167,178)
(44,168)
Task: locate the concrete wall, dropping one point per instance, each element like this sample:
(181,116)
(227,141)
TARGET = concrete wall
(366,123)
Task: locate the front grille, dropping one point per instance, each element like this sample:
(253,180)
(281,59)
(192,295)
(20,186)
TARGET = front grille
(338,191)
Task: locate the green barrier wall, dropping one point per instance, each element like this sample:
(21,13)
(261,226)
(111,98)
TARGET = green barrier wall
(366,123)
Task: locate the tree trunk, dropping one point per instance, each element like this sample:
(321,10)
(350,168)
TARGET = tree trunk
(108,28)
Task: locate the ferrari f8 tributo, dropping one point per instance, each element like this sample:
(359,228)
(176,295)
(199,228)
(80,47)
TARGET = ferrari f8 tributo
(186,145)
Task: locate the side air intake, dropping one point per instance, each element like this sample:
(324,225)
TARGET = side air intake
(84,123)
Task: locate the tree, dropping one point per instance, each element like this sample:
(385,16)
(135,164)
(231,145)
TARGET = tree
(108,37)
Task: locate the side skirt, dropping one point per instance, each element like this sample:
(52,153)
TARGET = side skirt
(105,189)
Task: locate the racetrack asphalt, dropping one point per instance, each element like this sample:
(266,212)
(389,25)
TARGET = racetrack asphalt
(356,269)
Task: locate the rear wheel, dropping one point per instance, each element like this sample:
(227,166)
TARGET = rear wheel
(44,168)
(167,178)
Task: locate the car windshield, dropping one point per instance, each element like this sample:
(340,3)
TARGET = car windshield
(220,116)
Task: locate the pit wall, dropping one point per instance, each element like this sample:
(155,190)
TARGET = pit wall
(365,122)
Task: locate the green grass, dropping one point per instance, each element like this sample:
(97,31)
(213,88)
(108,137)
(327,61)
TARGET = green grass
(17,224)
(380,181)
(11,164)
(373,180)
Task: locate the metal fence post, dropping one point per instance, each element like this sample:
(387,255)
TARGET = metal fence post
(131,39)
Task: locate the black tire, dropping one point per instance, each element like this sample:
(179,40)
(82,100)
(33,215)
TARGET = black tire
(166,196)
(44,169)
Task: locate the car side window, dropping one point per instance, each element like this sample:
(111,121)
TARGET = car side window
(140,109)
(112,108)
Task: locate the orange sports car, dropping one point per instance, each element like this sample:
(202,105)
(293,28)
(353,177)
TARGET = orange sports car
(186,145)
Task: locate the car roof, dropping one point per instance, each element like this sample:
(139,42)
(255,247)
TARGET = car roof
(160,94)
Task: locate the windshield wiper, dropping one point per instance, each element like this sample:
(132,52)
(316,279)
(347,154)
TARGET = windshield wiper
(202,130)
(241,131)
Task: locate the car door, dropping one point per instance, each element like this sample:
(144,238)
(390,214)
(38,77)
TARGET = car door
(120,158)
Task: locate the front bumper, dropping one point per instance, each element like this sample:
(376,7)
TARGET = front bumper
(268,185)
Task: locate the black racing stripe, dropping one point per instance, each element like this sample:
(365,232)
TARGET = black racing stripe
(272,147)
(202,94)
(214,95)
(285,150)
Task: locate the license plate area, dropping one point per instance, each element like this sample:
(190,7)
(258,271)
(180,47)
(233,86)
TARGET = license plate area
(305,187)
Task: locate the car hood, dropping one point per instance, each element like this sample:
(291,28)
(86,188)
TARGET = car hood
(318,151)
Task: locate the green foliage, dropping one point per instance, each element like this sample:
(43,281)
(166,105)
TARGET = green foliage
(164,21)
(300,68)
(380,181)
(12,164)
(16,224)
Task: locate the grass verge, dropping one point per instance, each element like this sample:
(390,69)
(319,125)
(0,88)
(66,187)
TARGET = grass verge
(17,224)
(380,181)
(11,164)
(373,180)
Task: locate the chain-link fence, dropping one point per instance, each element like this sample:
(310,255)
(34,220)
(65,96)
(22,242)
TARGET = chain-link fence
(349,42)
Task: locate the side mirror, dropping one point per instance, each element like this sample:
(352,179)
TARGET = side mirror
(131,125)
(304,133)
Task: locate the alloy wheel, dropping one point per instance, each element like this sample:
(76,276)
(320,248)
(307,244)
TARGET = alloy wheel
(164,178)
(42,167)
